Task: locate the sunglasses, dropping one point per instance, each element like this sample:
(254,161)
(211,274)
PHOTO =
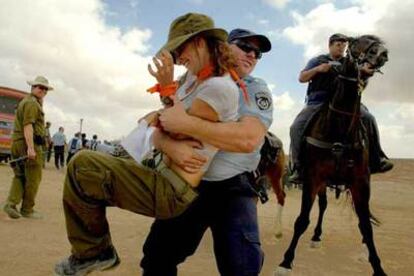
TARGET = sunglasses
(42,88)
(247,48)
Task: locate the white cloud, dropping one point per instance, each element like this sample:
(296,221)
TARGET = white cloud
(278,4)
(99,72)
(313,29)
(285,111)
(283,102)
(264,22)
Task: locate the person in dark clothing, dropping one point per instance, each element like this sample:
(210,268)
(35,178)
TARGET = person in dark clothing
(320,79)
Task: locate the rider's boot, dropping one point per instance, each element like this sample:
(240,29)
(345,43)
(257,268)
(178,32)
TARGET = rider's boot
(380,163)
(295,176)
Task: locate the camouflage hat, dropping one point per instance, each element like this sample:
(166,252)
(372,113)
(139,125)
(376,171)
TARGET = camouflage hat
(40,80)
(189,25)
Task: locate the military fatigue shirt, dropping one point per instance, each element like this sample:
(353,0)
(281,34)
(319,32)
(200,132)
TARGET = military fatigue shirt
(29,111)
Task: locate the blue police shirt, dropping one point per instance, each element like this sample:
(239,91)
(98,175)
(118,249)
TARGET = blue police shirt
(228,164)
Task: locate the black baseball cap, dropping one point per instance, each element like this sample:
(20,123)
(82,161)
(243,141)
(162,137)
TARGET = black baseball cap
(235,34)
(338,37)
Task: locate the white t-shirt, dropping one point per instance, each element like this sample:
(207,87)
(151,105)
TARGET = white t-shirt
(221,94)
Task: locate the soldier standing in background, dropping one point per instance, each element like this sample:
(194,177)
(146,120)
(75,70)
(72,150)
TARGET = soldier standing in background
(28,141)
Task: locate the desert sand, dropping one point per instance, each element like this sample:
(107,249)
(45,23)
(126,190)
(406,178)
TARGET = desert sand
(32,247)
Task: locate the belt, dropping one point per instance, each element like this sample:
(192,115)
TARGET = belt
(181,187)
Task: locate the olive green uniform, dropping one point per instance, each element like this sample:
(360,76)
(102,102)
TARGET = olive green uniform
(27,173)
(96,180)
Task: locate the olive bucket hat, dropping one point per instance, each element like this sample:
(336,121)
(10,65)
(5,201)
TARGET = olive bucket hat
(189,25)
(40,80)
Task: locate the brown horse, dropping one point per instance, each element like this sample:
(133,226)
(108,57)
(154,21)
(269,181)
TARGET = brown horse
(336,151)
(272,168)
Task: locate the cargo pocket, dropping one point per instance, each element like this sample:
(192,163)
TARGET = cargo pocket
(95,185)
(252,253)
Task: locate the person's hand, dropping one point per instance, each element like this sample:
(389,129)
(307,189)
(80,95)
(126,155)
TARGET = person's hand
(31,154)
(366,69)
(174,119)
(186,157)
(165,68)
(324,67)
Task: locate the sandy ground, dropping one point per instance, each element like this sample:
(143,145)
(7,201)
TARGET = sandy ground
(31,247)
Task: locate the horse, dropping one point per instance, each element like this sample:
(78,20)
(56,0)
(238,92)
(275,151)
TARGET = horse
(336,151)
(271,170)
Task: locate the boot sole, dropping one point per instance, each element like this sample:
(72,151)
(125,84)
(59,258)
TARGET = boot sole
(98,266)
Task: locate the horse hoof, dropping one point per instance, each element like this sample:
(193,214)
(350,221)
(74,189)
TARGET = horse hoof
(282,271)
(315,244)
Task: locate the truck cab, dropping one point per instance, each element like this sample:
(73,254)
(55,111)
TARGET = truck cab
(9,99)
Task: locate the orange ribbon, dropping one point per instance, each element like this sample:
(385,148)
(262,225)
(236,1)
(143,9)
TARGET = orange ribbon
(205,72)
(164,91)
(241,84)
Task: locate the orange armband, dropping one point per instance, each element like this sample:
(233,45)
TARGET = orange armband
(164,91)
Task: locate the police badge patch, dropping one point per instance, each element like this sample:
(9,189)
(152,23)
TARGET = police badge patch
(263,100)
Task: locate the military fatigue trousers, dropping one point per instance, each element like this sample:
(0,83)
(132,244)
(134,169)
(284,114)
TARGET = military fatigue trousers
(96,180)
(27,177)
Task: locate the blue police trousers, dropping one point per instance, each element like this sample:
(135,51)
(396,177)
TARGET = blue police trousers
(228,208)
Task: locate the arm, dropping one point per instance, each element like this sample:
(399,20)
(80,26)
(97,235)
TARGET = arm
(181,152)
(28,136)
(307,75)
(242,136)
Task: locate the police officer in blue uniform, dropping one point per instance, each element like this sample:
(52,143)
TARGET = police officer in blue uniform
(227,201)
(320,77)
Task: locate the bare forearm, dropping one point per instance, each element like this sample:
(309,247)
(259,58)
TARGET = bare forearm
(243,136)
(306,76)
(28,136)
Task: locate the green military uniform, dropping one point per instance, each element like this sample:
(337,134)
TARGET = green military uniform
(28,173)
(96,180)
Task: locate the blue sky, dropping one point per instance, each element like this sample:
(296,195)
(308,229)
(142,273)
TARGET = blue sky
(95,53)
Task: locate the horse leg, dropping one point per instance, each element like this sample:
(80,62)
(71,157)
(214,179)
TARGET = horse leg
(275,174)
(323,203)
(301,223)
(360,194)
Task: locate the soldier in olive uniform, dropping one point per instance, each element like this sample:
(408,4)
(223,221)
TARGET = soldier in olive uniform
(27,145)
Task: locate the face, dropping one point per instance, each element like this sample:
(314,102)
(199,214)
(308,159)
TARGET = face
(193,55)
(39,91)
(337,49)
(247,52)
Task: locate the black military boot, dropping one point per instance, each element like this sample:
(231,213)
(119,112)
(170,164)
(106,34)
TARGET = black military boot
(385,165)
(295,177)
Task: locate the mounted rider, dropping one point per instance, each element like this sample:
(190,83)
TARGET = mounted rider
(320,76)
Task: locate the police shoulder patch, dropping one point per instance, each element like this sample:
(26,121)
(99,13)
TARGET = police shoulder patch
(263,100)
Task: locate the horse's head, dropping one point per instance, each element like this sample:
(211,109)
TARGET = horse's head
(369,52)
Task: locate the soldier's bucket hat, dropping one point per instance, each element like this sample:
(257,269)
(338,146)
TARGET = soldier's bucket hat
(189,25)
(42,81)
